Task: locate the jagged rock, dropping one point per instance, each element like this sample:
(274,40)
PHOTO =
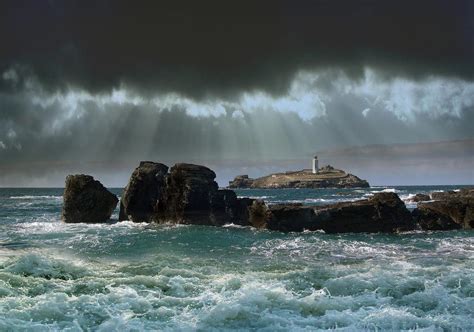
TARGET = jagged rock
(420,198)
(187,194)
(143,192)
(243,210)
(259,214)
(291,218)
(86,200)
(241,181)
(440,195)
(190,195)
(384,212)
(223,205)
(444,195)
(327,177)
(226,207)
(450,210)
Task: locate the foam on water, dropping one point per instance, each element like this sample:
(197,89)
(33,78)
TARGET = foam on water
(264,197)
(135,276)
(387,190)
(37,197)
(354,292)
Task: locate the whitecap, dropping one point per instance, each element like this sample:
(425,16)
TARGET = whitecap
(37,197)
(256,197)
(232,225)
(386,190)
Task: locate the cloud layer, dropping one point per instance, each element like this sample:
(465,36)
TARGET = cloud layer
(110,82)
(214,48)
(319,110)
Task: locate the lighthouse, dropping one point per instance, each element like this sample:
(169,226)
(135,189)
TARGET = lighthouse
(315,164)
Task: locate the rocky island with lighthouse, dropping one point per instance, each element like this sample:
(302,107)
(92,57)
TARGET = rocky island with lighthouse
(189,194)
(324,177)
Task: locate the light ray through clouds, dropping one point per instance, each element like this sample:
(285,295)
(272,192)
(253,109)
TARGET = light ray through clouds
(320,110)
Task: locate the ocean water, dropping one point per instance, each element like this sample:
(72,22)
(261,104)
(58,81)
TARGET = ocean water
(123,276)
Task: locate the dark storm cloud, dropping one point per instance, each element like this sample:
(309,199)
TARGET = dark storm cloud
(221,48)
(42,140)
(97,86)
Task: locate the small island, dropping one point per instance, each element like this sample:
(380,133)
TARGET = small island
(324,177)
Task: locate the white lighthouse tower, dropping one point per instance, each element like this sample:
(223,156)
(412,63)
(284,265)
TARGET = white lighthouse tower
(315,165)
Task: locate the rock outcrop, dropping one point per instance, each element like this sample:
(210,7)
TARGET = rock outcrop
(441,195)
(259,214)
(86,200)
(191,196)
(450,210)
(420,198)
(187,194)
(326,177)
(384,212)
(143,192)
(241,181)
(292,218)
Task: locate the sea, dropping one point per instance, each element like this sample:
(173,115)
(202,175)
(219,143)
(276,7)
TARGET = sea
(125,276)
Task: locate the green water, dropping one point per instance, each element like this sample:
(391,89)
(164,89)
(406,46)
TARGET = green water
(125,276)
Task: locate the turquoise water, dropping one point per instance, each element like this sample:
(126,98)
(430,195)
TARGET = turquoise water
(124,276)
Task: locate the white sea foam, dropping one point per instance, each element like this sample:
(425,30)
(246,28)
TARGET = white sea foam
(257,197)
(361,191)
(232,225)
(315,201)
(318,200)
(41,197)
(386,190)
(408,200)
(60,293)
(137,276)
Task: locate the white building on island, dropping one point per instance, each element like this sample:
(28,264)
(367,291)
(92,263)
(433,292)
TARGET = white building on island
(315,165)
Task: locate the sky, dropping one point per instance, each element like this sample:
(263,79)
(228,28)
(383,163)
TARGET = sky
(243,87)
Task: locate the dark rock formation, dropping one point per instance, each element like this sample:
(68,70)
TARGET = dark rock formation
(143,192)
(445,195)
(259,214)
(187,194)
(326,177)
(420,198)
(191,195)
(87,200)
(230,209)
(450,210)
(384,212)
(292,218)
(243,211)
(241,181)
(439,195)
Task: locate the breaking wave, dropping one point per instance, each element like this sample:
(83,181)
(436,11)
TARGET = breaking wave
(42,197)
(136,276)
